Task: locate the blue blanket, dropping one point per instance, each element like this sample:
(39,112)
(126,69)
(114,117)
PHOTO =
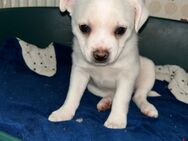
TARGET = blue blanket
(27,99)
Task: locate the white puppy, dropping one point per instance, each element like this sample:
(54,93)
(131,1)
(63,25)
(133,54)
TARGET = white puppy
(106,59)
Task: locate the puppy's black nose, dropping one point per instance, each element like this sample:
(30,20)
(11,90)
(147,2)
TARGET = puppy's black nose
(101,55)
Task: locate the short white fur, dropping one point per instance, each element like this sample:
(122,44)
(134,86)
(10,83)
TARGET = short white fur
(125,72)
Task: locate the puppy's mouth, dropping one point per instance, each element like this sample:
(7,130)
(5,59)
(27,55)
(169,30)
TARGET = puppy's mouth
(101,63)
(104,63)
(98,63)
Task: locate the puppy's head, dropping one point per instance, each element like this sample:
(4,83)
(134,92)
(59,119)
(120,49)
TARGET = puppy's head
(102,27)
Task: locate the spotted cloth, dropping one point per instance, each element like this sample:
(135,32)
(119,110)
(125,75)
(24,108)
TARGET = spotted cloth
(177,79)
(41,61)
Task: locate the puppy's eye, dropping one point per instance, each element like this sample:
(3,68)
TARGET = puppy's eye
(85,29)
(120,31)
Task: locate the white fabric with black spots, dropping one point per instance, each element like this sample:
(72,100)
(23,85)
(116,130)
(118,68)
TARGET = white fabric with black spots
(177,78)
(41,61)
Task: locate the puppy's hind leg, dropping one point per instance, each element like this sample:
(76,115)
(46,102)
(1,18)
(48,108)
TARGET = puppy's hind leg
(107,96)
(144,85)
(104,104)
(146,108)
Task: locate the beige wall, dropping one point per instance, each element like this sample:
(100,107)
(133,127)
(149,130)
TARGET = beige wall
(171,9)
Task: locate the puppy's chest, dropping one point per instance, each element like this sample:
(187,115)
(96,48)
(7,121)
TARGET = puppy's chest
(104,77)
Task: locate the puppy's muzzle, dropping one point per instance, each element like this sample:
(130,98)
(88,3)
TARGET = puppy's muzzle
(101,55)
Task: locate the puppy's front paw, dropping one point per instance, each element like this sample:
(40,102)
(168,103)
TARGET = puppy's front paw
(60,115)
(149,110)
(116,123)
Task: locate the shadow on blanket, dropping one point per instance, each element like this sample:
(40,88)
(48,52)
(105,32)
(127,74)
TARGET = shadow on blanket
(26,100)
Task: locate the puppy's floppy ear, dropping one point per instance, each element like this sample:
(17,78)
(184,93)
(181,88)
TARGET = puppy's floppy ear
(66,5)
(141,13)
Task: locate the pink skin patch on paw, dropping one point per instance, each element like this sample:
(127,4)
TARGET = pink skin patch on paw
(104,104)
